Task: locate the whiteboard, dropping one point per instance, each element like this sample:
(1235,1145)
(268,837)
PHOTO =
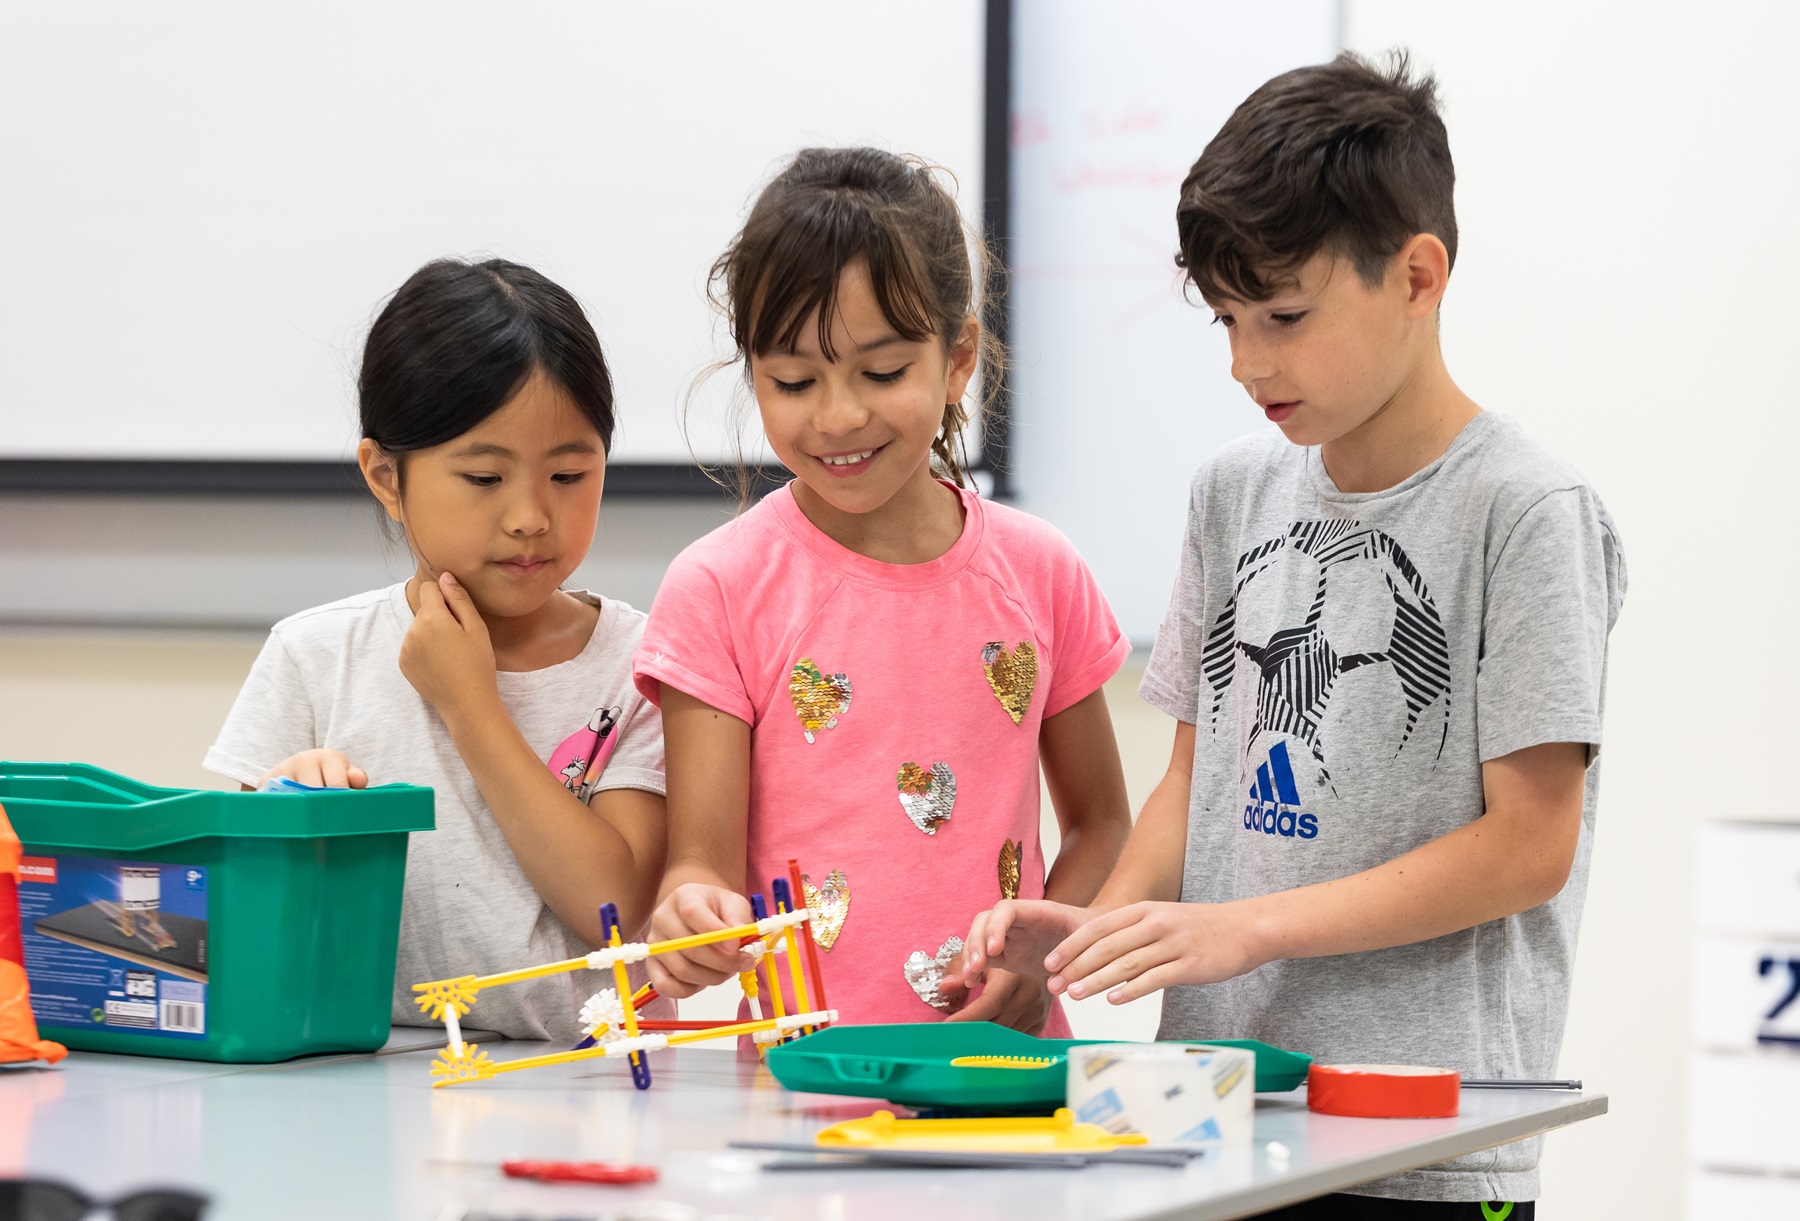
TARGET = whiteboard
(1120,387)
(207,201)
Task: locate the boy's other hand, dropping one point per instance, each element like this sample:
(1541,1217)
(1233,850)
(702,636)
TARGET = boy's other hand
(1014,935)
(323,769)
(1136,950)
(1019,1001)
(446,654)
(695,907)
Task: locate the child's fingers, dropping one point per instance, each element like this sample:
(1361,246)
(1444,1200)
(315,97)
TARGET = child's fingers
(1154,980)
(1079,941)
(985,1008)
(966,969)
(667,982)
(432,608)
(1115,962)
(358,778)
(694,909)
(456,598)
(307,769)
(335,769)
(1026,1007)
(999,922)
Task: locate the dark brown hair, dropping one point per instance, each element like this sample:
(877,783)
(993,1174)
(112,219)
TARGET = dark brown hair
(826,209)
(1343,157)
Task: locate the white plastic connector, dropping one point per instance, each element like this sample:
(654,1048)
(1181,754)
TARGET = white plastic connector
(794,1021)
(783,920)
(630,952)
(644,1042)
(602,1009)
(756,949)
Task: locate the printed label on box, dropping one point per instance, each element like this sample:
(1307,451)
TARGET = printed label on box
(116,944)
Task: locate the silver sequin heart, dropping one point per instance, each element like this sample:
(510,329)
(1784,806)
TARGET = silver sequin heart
(926,975)
(926,796)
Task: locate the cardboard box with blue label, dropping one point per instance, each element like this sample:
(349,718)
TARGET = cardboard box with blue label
(115,943)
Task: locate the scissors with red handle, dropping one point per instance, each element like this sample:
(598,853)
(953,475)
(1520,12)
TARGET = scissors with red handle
(576,1172)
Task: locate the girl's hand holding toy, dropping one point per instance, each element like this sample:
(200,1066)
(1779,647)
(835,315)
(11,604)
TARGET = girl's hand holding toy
(691,908)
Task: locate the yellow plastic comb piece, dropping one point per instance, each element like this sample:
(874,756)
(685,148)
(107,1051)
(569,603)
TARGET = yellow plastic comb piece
(1003,1061)
(442,994)
(1059,1134)
(450,1068)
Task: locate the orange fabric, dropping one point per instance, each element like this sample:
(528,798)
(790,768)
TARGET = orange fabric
(18,1029)
(10,848)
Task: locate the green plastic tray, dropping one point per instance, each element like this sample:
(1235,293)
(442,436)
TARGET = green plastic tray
(303,900)
(910,1065)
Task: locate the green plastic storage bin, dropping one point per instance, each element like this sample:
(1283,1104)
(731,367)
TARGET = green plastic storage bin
(298,898)
(910,1065)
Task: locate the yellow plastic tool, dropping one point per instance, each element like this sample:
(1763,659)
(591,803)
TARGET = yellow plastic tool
(1004,1061)
(1057,1134)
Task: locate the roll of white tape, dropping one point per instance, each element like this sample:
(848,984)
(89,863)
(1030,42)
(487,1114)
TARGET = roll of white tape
(1173,1093)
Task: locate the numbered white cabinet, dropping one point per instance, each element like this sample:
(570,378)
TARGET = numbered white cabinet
(1744,1130)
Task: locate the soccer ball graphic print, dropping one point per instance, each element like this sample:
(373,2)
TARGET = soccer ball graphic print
(1313,605)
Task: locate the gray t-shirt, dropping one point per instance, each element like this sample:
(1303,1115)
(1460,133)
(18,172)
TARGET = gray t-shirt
(330,677)
(1349,662)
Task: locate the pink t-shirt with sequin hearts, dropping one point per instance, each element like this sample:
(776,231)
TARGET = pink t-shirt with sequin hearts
(895,711)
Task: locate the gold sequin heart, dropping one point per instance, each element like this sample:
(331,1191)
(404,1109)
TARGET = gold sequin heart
(927,796)
(829,904)
(819,698)
(1011,852)
(1013,676)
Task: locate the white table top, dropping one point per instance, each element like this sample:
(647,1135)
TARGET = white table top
(350,1137)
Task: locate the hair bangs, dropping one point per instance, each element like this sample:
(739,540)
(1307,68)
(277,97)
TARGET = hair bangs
(806,260)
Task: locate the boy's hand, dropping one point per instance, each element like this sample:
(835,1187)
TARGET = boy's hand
(323,769)
(1014,936)
(695,907)
(1019,1001)
(446,654)
(1138,949)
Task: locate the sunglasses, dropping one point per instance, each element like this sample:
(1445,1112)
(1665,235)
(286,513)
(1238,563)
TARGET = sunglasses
(42,1200)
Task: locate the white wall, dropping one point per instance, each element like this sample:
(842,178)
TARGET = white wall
(1626,186)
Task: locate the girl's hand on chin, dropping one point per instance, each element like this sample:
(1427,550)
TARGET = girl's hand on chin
(447,655)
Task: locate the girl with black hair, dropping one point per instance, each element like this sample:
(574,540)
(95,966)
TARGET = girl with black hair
(487,414)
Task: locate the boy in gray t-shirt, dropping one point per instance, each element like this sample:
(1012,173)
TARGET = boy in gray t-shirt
(1385,653)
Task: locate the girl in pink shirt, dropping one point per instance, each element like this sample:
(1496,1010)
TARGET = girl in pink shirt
(864,671)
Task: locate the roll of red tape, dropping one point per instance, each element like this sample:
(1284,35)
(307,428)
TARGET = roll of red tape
(1383,1091)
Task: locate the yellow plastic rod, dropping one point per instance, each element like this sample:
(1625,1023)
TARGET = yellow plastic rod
(555,1057)
(687,943)
(801,1003)
(623,983)
(525,973)
(721,1032)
